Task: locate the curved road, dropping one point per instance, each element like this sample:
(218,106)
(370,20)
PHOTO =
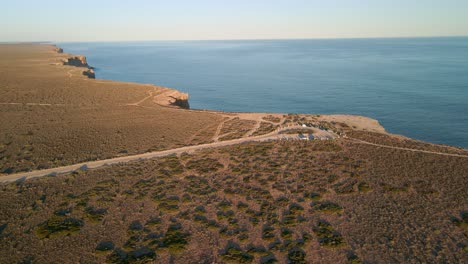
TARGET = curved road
(156,154)
(276,135)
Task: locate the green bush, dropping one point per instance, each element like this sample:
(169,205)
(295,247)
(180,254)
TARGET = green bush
(175,239)
(59,226)
(234,254)
(326,207)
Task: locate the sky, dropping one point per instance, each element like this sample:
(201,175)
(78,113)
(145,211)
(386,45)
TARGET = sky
(139,20)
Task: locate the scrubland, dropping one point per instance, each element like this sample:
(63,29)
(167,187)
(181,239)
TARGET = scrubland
(333,201)
(298,202)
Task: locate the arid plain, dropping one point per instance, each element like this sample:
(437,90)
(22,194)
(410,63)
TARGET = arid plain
(361,196)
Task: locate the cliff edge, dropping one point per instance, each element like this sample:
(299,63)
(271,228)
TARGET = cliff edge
(164,96)
(174,98)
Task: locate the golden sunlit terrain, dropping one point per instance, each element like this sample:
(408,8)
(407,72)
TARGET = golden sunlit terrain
(354,195)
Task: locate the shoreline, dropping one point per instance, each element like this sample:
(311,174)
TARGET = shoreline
(376,126)
(144,98)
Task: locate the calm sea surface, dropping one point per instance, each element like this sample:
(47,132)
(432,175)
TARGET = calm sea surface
(416,87)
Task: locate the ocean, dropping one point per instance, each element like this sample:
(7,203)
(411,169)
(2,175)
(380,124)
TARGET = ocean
(417,87)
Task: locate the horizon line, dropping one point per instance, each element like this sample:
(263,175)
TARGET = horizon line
(239,39)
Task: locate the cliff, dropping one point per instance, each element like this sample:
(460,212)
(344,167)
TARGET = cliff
(164,96)
(172,98)
(77,61)
(89,73)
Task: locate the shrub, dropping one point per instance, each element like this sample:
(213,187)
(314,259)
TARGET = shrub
(326,207)
(286,233)
(234,254)
(139,255)
(296,256)
(135,226)
(364,187)
(205,165)
(353,259)
(105,246)
(59,226)
(268,232)
(312,196)
(463,222)
(175,239)
(95,215)
(327,236)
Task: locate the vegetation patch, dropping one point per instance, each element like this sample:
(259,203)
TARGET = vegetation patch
(105,246)
(175,238)
(326,207)
(314,196)
(59,226)
(138,255)
(364,187)
(327,236)
(297,256)
(271,118)
(353,259)
(264,128)
(395,189)
(463,222)
(205,165)
(234,254)
(95,215)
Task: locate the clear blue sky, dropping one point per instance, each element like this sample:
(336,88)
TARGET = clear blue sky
(113,20)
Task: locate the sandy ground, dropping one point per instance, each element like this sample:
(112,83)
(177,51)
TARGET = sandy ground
(356,122)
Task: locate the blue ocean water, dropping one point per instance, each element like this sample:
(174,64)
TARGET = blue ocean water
(417,87)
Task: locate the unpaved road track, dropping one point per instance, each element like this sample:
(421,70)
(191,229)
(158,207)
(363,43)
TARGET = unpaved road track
(407,149)
(276,135)
(149,155)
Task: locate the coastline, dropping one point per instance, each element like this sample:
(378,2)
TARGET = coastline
(98,167)
(353,80)
(122,99)
(168,97)
(358,121)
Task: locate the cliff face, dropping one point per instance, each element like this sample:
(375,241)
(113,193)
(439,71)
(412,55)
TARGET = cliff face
(165,97)
(89,73)
(181,102)
(172,98)
(80,61)
(77,61)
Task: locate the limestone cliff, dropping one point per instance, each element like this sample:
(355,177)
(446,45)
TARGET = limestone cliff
(77,61)
(80,61)
(164,96)
(173,98)
(89,73)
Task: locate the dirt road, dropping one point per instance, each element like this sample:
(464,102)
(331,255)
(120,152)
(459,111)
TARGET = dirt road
(276,135)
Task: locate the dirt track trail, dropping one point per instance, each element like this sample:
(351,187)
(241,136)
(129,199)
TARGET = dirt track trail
(33,104)
(407,149)
(150,95)
(217,134)
(144,156)
(276,135)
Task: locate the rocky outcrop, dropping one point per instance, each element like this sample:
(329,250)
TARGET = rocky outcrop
(80,61)
(172,98)
(89,73)
(181,102)
(58,50)
(77,61)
